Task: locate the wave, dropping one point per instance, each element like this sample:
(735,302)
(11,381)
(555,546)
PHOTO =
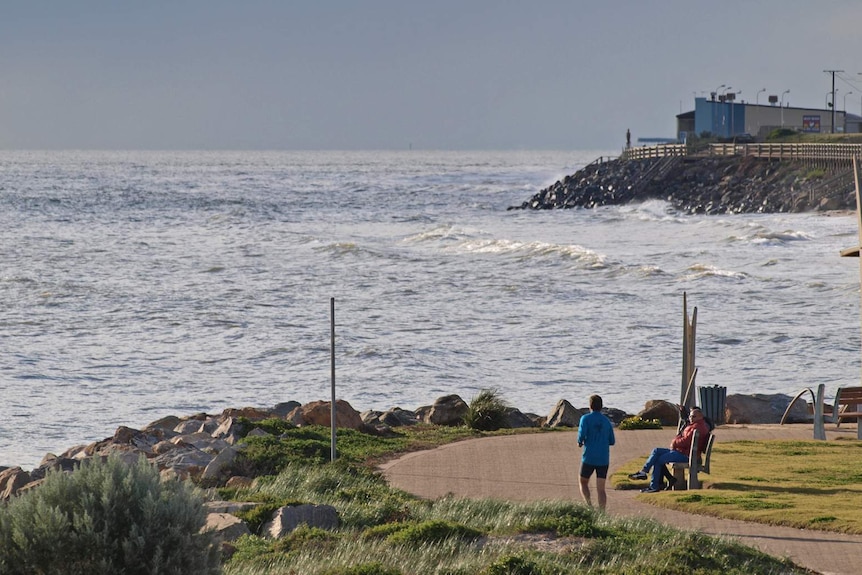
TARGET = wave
(768,237)
(525,250)
(700,271)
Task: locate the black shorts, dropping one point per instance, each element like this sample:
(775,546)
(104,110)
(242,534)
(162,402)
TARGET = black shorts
(587,470)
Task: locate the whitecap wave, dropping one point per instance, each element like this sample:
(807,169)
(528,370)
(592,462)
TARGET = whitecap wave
(700,271)
(582,255)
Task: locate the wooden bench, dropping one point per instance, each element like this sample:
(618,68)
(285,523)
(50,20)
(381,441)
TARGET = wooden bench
(848,405)
(695,464)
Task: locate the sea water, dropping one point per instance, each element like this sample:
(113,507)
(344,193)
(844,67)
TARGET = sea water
(137,285)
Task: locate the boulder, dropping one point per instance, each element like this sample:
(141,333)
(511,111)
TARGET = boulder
(12,479)
(447,410)
(282,409)
(319,413)
(763,408)
(564,415)
(220,463)
(166,425)
(514,419)
(288,518)
(614,414)
(229,431)
(184,462)
(666,412)
(397,417)
(225,527)
(252,413)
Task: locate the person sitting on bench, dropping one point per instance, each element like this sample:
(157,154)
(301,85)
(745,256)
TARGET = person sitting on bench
(679,451)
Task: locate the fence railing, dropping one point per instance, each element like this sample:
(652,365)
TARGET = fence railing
(828,153)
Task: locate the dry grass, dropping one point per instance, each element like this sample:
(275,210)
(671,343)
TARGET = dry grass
(805,484)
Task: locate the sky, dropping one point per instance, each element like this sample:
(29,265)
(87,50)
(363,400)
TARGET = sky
(401,74)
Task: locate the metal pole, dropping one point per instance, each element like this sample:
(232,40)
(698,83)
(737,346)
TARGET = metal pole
(332,364)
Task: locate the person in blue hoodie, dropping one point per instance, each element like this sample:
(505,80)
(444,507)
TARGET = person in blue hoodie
(595,436)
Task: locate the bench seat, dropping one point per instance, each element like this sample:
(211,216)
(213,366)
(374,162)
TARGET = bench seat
(695,465)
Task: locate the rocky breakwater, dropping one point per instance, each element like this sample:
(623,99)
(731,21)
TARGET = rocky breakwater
(702,185)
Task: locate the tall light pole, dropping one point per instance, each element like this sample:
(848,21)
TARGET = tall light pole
(757,96)
(782,106)
(833,72)
(845,100)
(717,89)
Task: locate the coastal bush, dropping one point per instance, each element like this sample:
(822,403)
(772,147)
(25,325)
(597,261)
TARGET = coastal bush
(487,411)
(107,517)
(636,422)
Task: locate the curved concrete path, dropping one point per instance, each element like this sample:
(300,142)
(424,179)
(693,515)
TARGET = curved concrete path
(545,466)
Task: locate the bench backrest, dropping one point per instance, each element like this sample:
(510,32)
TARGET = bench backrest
(849,396)
(701,462)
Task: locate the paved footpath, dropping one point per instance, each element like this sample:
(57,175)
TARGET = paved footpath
(545,466)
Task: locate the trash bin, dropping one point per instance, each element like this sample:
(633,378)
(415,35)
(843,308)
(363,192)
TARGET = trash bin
(712,399)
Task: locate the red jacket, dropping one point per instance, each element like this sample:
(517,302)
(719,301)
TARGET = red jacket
(682,443)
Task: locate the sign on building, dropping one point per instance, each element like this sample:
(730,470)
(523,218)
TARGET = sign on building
(810,123)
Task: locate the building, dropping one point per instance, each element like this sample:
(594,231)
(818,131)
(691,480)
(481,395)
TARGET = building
(725,118)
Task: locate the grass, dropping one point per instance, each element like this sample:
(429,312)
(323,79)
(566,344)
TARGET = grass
(385,531)
(388,532)
(804,484)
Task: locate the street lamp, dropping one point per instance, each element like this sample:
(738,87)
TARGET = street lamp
(845,100)
(757,96)
(782,106)
(717,89)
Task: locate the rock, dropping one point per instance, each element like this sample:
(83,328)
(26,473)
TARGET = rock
(564,415)
(286,519)
(219,464)
(184,462)
(252,413)
(514,419)
(319,413)
(166,425)
(447,410)
(763,408)
(229,431)
(225,527)
(12,479)
(397,417)
(666,412)
(282,409)
(615,415)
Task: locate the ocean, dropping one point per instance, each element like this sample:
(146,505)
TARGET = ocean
(137,285)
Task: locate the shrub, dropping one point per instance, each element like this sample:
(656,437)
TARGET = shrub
(636,422)
(106,517)
(487,411)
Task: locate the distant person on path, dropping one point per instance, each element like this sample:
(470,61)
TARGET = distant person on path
(595,436)
(628,138)
(679,451)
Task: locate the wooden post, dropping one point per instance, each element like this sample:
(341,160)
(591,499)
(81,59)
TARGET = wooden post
(689,330)
(332,367)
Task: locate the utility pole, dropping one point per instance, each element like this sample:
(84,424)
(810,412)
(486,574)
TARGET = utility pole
(833,72)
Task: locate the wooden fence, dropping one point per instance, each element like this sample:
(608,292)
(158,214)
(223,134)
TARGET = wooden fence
(816,154)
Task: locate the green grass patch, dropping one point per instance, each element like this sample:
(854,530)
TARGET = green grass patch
(804,484)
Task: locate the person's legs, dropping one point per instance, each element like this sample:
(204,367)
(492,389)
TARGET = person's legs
(586,472)
(653,457)
(659,470)
(601,477)
(585,490)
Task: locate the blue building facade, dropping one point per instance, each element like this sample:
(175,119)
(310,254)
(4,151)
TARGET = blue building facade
(722,119)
